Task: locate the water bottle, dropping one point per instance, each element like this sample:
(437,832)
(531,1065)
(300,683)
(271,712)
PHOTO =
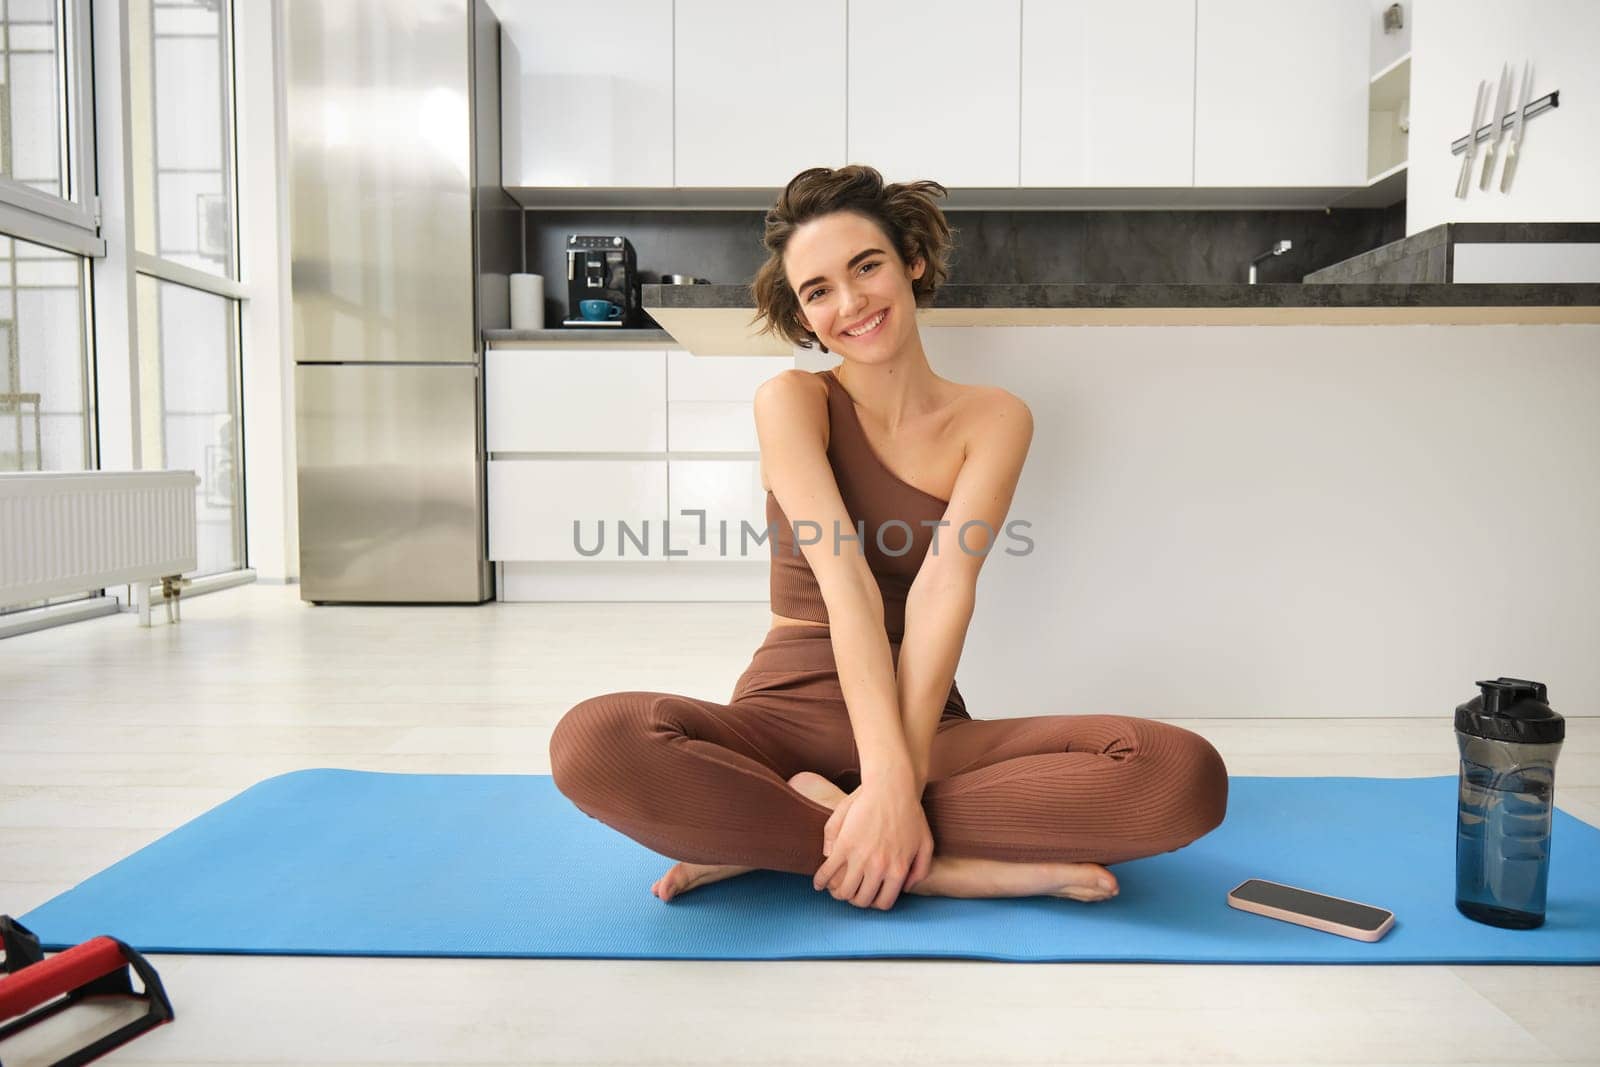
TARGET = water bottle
(1509,739)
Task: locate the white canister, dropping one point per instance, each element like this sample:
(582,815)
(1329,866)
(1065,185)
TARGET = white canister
(527,301)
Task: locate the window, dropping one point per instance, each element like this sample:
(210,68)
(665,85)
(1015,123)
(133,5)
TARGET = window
(46,132)
(31,141)
(182,159)
(44,422)
(48,231)
(179,258)
(180,93)
(189,386)
(47,227)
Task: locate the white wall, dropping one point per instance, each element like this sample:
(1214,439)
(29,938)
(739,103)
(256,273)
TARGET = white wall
(1289,521)
(1456,43)
(264,267)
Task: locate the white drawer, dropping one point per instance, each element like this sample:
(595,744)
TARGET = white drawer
(533,502)
(734,378)
(728,490)
(572,400)
(712,426)
(710,400)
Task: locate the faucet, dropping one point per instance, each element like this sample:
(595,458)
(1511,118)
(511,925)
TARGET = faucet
(1276,250)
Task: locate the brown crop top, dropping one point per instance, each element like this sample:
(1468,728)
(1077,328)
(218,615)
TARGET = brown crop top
(882,506)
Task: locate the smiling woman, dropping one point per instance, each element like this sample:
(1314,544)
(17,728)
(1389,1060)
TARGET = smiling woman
(902,216)
(854,686)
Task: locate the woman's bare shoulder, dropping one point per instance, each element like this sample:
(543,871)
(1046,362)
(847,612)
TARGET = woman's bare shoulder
(978,405)
(792,400)
(794,382)
(794,395)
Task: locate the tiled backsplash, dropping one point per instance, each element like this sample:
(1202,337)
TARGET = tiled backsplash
(995,247)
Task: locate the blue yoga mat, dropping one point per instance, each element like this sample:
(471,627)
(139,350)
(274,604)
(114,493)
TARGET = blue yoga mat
(350,863)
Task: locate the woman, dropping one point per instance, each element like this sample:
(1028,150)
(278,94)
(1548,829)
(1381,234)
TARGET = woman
(846,751)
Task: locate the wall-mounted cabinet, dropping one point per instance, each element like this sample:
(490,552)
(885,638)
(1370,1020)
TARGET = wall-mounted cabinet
(585,94)
(1281,93)
(935,90)
(1098,113)
(759,91)
(713,103)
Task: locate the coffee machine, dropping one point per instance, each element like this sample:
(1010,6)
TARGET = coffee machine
(602,267)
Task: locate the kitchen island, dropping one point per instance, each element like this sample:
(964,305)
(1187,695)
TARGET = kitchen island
(1264,500)
(714,319)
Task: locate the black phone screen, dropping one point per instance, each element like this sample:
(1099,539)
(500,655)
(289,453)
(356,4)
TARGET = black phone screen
(1344,912)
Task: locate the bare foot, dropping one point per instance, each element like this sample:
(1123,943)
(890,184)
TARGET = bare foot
(962,876)
(687,876)
(948,876)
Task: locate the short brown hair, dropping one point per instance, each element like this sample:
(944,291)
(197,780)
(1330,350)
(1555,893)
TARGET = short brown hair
(905,211)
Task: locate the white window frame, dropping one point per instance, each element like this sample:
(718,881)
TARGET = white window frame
(70,223)
(182,274)
(154,266)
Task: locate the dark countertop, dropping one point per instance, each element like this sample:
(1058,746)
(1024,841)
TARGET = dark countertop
(711,320)
(577,335)
(1181,295)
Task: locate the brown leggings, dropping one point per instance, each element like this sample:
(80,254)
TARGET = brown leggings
(708,783)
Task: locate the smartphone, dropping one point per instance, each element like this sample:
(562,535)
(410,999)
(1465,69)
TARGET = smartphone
(1333,915)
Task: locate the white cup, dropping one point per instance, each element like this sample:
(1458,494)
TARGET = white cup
(527,301)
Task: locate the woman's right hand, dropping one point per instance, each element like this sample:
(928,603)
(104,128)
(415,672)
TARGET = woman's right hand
(878,843)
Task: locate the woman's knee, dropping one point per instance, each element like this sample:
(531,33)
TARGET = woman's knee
(587,739)
(1202,801)
(1211,783)
(1181,778)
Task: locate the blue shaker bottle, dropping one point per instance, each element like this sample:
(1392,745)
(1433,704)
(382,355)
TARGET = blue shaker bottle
(1509,739)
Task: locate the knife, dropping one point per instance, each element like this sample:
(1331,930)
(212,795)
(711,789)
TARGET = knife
(1471,151)
(1501,98)
(1516,129)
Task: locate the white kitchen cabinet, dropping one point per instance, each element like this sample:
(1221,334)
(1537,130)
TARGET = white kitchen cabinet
(1108,93)
(934,89)
(710,401)
(585,93)
(729,492)
(534,502)
(576,400)
(758,91)
(1281,93)
(621,402)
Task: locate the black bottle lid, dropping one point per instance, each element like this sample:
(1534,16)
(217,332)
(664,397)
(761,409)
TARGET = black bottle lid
(1511,709)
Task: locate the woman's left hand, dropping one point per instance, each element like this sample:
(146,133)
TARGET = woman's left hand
(877,842)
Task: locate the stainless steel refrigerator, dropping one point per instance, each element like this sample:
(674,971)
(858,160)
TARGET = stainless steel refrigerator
(401,242)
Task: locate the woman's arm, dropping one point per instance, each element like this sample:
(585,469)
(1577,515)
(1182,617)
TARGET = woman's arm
(791,413)
(929,653)
(940,603)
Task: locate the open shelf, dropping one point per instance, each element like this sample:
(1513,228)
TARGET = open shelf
(1379,179)
(1397,73)
(1388,147)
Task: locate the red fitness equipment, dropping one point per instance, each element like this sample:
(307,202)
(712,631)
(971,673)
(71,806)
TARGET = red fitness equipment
(34,988)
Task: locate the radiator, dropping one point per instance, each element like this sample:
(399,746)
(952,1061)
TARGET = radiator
(72,531)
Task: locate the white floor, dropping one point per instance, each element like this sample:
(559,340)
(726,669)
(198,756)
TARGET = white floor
(112,735)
